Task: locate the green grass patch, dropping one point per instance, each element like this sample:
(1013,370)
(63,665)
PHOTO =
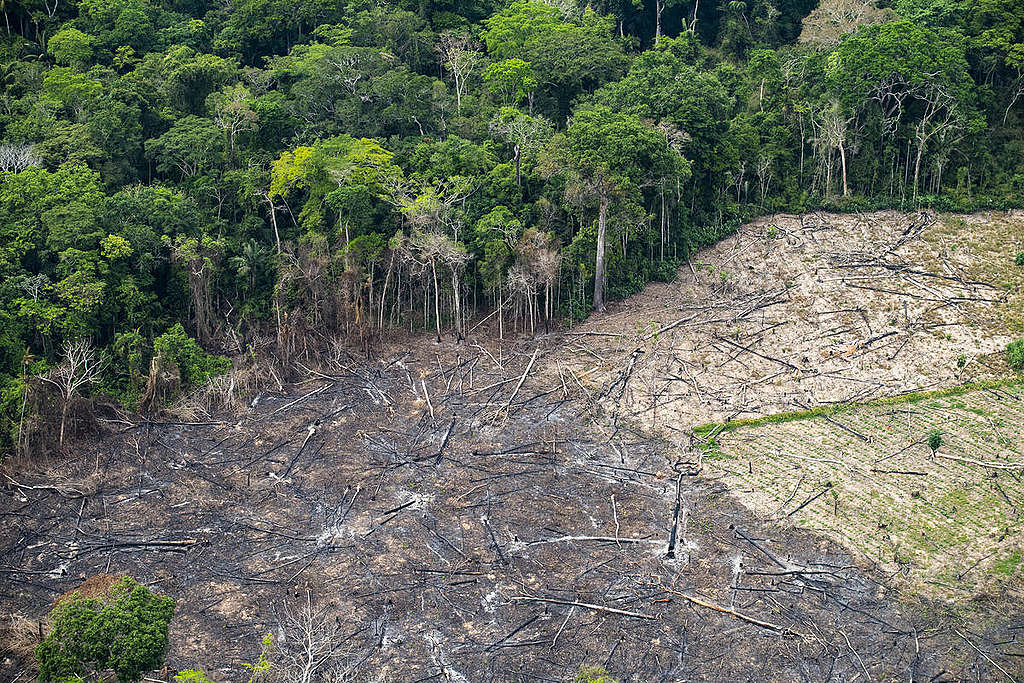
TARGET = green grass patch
(715,428)
(1009,565)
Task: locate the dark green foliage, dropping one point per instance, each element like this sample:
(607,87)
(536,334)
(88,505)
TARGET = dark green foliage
(259,169)
(196,366)
(934,440)
(1019,260)
(127,633)
(1015,355)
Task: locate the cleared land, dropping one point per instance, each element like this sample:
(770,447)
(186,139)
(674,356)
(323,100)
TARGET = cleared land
(513,511)
(453,517)
(947,525)
(793,312)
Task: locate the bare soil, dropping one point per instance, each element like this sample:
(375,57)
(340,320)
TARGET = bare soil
(486,512)
(793,312)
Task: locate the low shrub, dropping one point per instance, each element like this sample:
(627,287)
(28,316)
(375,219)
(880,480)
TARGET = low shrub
(593,674)
(125,632)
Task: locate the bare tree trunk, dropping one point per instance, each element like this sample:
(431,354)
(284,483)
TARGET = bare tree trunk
(663,221)
(917,166)
(842,156)
(384,294)
(602,225)
(659,7)
(63,420)
(437,302)
(273,222)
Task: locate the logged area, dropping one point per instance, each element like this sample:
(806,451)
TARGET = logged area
(793,312)
(505,511)
(945,524)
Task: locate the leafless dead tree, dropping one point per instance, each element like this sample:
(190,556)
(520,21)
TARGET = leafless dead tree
(460,55)
(310,644)
(15,158)
(80,368)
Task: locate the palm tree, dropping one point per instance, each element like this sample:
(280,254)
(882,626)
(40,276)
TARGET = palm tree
(248,261)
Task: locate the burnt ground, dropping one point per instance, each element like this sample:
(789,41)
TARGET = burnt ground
(463,514)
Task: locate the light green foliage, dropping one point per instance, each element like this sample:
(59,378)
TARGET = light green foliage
(260,670)
(115,247)
(334,174)
(127,633)
(71,47)
(192,676)
(513,79)
(593,674)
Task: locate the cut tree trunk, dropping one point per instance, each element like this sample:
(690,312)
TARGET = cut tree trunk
(599,276)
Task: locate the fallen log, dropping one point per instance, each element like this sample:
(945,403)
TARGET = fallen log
(587,605)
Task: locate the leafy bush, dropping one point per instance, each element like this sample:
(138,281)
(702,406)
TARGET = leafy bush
(192,676)
(1020,259)
(935,440)
(196,366)
(593,674)
(1015,355)
(126,633)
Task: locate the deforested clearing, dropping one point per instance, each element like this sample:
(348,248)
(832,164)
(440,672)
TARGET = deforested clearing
(794,312)
(494,510)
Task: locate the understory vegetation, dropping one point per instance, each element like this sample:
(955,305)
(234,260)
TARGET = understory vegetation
(182,181)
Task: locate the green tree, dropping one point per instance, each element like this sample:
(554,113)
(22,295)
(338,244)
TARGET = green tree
(512,79)
(126,632)
(609,156)
(196,366)
(890,66)
(71,47)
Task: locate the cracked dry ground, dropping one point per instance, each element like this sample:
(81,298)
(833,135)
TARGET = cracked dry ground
(452,538)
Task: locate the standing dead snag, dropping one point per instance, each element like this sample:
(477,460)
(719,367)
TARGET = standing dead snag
(80,368)
(310,646)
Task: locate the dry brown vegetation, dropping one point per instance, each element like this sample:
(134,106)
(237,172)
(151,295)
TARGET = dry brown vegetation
(504,512)
(799,311)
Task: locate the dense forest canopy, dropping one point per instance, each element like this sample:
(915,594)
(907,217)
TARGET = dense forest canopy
(181,179)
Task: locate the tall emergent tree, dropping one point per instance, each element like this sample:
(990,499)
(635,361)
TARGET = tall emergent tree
(607,156)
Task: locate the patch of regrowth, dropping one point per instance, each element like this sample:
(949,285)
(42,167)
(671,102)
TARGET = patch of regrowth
(192,676)
(125,632)
(594,674)
(1009,565)
(196,366)
(1015,355)
(934,440)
